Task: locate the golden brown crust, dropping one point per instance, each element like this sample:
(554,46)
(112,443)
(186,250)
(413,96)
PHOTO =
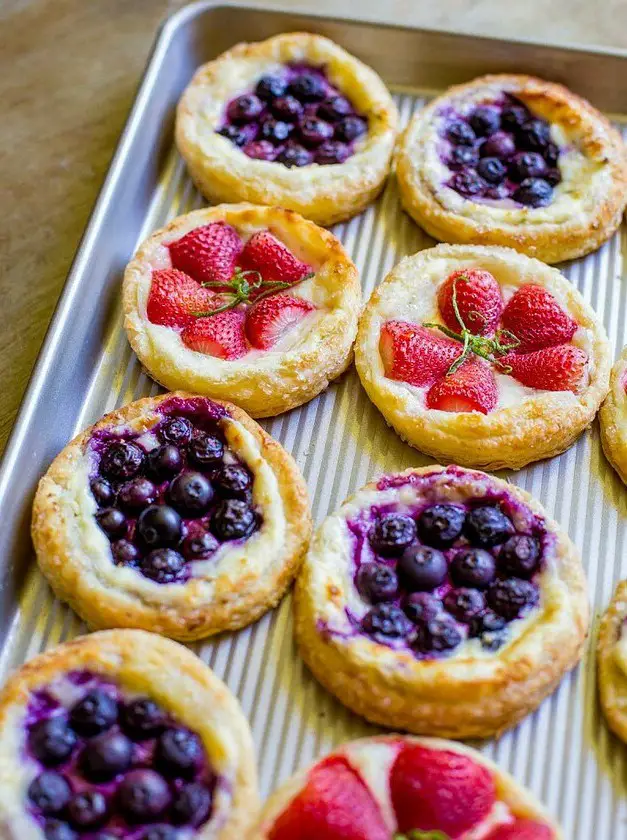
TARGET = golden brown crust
(75,558)
(592,200)
(613,418)
(325,194)
(148,664)
(464,697)
(613,677)
(272,382)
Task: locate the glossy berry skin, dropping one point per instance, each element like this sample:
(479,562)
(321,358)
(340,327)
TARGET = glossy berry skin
(535,135)
(57,830)
(49,793)
(386,620)
(460,133)
(440,525)
(143,796)
(461,156)
(164,461)
(492,170)
(270,87)
(105,756)
(467,183)
(232,520)
(136,494)
(260,150)
(464,604)
(487,622)
(87,810)
(307,87)
(124,553)
(313,131)
(52,741)
(176,430)
(473,567)
(376,582)
(334,108)
(421,568)
(478,298)
(191,805)
(553,177)
(163,565)
(159,526)
(233,481)
(122,459)
(487,526)
(244,109)
(438,635)
(514,117)
(526,165)
(511,596)
(287,108)
(295,155)
(276,131)
(102,492)
(205,450)
(519,556)
(537,319)
(200,546)
(422,607)
(235,134)
(178,753)
(142,718)
(190,494)
(500,145)
(485,120)
(113,522)
(160,832)
(350,128)
(331,152)
(391,534)
(534,192)
(95,713)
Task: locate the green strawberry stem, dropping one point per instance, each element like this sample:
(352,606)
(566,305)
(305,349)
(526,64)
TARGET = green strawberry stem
(416,834)
(240,290)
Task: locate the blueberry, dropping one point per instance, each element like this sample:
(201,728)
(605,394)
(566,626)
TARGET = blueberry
(441,525)
(467,183)
(308,87)
(52,741)
(487,622)
(526,165)
(232,520)
(124,553)
(178,753)
(190,494)
(160,832)
(244,109)
(205,449)
(473,567)
(386,620)
(105,756)
(350,128)
(234,134)
(143,796)
(142,718)
(159,526)
(331,152)
(191,805)
(233,481)
(461,156)
(534,192)
(287,108)
(514,117)
(200,546)
(460,133)
(438,635)
(58,830)
(295,155)
(509,597)
(270,87)
(313,131)
(485,120)
(464,604)
(493,640)
(422,607)
(49,792)
(551,153)
(176,430)
(335,108)
(500,145)
(113,522)
(553,177)
(276,131)
(487,526)
(376,582)
(164,461)
(104,835)
(87,809)
(492,170)
(95,713)
(122,459)
(497,192)
(392,533)
(535,135)
(137,493)
(519,556)
(163,565)
(102,492)
(261,150)
(421,568)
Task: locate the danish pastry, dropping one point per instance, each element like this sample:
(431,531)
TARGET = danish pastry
(174,514)
(613,418)
(482,356)
(398,786)
(441,601)
(293,121)
(612,662)
(123,734)
(255,305)
(514,160)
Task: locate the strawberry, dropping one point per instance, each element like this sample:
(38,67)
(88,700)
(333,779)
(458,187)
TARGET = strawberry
(552,369)
(415,354)
(220,335)
(439,790)
(272,259)
(334,804)
(207,253)
(522,830)
(174,297)
(471,388)
(537,320)
(270,318)
(478,297)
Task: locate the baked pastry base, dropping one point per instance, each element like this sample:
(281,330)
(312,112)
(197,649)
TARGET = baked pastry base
(612,679)
(613,418)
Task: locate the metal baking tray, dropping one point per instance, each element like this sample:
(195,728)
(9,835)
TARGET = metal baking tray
(563,752)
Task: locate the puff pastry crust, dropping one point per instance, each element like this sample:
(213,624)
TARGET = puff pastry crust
(587,205)
(245,581)
(139,663)
(471,694)
(613,418)
(262,383)
(325,194)
(612,662)
(527,424)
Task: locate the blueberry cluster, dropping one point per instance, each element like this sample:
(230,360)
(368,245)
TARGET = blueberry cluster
(165,507)
(447,574)
(502,151)
(111,769)
(296,118)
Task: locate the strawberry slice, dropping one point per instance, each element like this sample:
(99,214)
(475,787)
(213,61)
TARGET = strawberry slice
(207,253)
(174,297)
(471,388)
(415,354)
(537,320)
(334,804)
(272,259)
(478,297)
(220,335)
(270,318)
(552,369)
(522,830)
(439,790)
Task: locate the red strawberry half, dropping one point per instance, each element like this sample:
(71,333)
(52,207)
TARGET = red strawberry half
(537,320)
(220,335)
(478,297)
(174,298)
(471,388)
(439,790)
(522,830)
(272,317)
(272,259)
(334,804)
(415,354)
(552,369)
(207,253)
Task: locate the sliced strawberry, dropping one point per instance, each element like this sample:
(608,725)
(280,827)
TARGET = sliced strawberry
(537,320)
(174,297)
(552,369)
(522,830)
(207,253)
(334,804)
(220,335)
(415,354)
(439,790)
(272,317)
(471,388)
(272,259)
(478,298)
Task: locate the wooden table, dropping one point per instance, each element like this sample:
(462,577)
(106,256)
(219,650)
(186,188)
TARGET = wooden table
(68,73)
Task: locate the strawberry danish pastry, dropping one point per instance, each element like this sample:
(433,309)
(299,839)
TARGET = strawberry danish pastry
(612,662)
(407,788)
(613,418)
(482,356)
(251,304)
